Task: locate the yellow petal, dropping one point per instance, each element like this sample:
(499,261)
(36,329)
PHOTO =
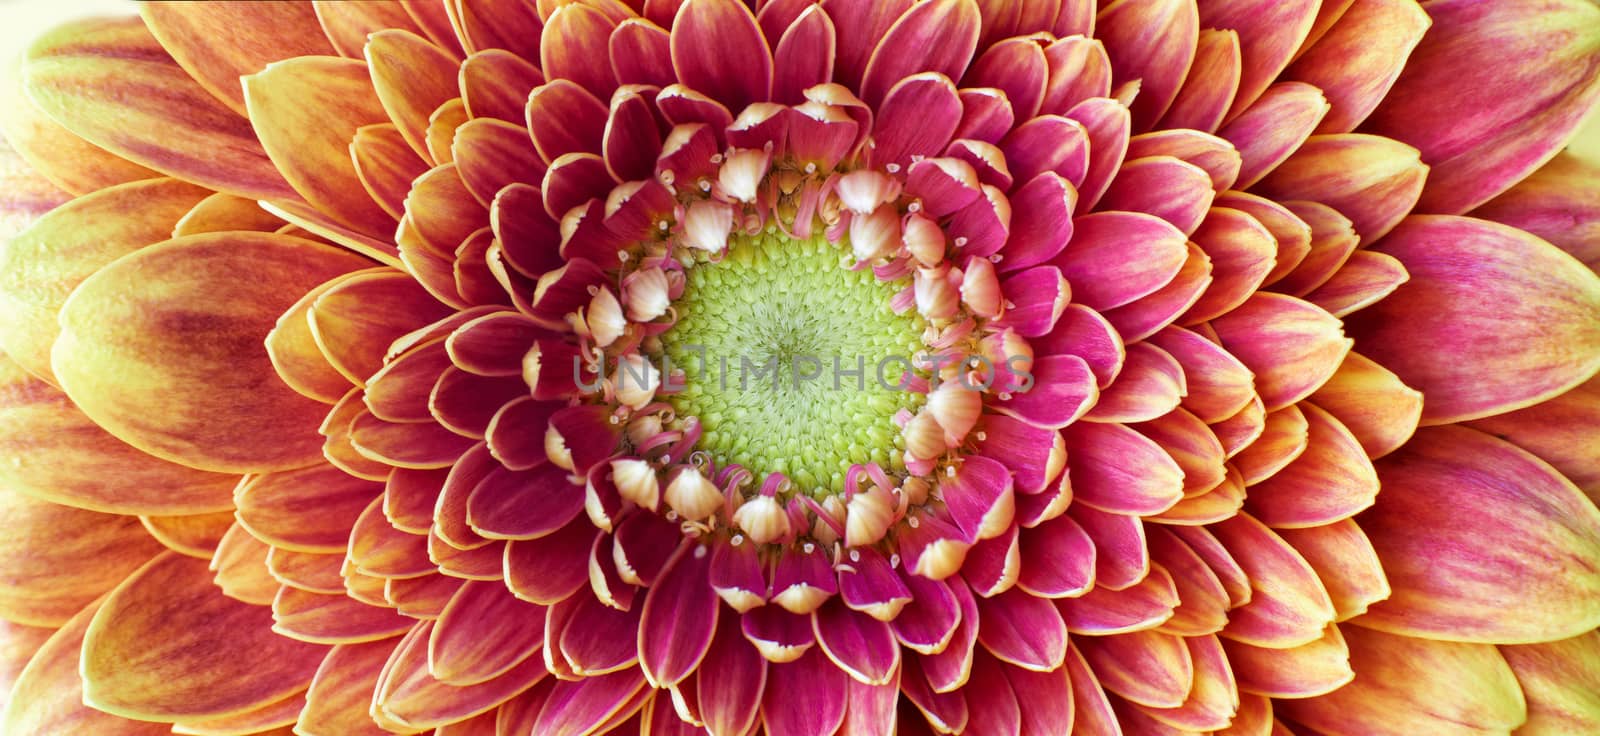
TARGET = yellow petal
(165,349)
(1561,680)
(55,560)
(51,451)
(47,699)
(306,111)
(58,154)
(40,267)
(1407,687)
(216,43)
(110,82)
(168,645)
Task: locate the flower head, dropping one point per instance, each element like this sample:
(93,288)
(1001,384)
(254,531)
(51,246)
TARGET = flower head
(805,368)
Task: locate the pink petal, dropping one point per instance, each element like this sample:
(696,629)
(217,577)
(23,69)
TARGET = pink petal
(1499,321)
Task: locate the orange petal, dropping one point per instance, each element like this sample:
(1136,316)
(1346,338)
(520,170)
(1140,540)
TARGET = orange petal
(167,623)
(1561,681)
(40,267)
(296,356)
(348,24)
(220,212)
(1345,562)
(1308,670)
(110,82)
(55,453)
(48,696)
(1289,606)
(356,320)
(1468,527)
(1492,320)
(195,535)
(1380,410)
(1373,181)
(341,692)
(413,77)
(56,560)
(1360,58)
(218,43)
(306,112)
(310,509)
(272,719)
(1407,686)
(165,349)
(241,570)
(1331,480)
(51,152)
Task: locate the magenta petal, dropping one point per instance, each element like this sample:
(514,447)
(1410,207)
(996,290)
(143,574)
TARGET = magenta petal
(632,139)
(1079,71)
(992,704)
(718,49)
(1030,453)
(1102,611)
(679,619)
(991,565)
(565,118)
(1117,257)
(916,120)
(1041,221)
(936,36)
(1487,103)
(1057,559)
(945,711)
(1274,127)
(1035,299)
(548,569)
(1151,384)
(1169,188)
(732,706)
(804,697)
(1121,557)
(470,643)
(1118,470)
(1016,66)
(511,504)
(1023,630)
(1064,389)
(1048,144)
(986,115)
(862,646)
(980,497)
(1492,320)
(943,185)
(803,579)
(780,636)
(804,55)
(1155,43)
(948,669)
(869,584)
(641,53)
(860,27)
(642,545)
(736,574)
(927,624)
(579,706)
(1085,333)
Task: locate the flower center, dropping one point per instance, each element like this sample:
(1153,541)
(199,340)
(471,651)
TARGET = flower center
(792,362)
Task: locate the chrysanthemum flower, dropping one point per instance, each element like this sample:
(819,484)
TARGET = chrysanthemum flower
(807,368)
